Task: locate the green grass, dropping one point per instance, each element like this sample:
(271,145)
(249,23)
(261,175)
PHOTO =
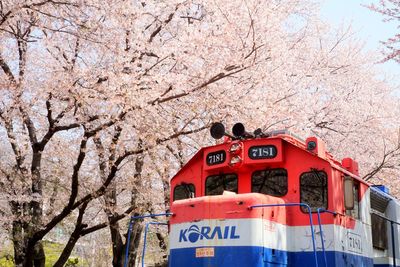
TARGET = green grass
(4,262)
(6,254)
(52,251)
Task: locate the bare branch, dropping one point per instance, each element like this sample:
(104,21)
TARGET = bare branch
(19,158)
(79,226)
(31,128)
(22,48)
(384,163)
(114,142)
(4,66)
(178,156)
(115,219)
(49,111)
(212,80)
(76,52)
(17,8)
(52,123)
(164,23)
(154,65)
(154,33)
(75,174)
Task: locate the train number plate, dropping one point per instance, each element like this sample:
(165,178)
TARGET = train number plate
(204,252)
(354,243)
(215,158)
(263,152)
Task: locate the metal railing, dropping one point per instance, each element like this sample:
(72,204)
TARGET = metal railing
(145,237)
(128,241)
(319,211)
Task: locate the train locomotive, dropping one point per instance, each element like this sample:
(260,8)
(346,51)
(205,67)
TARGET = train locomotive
(272,199)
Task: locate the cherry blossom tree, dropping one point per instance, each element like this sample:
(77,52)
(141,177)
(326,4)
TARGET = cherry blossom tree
(54,99)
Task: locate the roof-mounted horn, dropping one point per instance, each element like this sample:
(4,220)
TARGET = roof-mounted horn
(239,131)
(217,130)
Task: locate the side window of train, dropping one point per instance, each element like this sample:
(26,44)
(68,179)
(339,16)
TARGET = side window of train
(217,184)
(355,212)
(379,232)
(272,182)
(314,190)
(184,191)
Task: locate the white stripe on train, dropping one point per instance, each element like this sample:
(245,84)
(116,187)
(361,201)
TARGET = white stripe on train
(259,232)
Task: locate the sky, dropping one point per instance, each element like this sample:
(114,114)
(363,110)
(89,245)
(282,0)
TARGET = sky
(367,24)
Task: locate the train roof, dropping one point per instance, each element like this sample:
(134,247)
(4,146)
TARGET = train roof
(348,166)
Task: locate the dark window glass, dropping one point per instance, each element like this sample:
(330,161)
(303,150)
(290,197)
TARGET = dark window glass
(272,182)
(314,190)
(355,213)
(356,210)
(379,232)
(217,184)
(184,191)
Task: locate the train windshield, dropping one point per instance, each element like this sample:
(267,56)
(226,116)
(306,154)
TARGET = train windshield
(217,184)
(184,191)
(314,190)
(272,182)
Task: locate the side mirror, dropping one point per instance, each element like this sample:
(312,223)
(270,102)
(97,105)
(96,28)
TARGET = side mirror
(348,193)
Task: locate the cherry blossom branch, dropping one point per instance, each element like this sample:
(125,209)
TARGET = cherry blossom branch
(210,81)
(9,14)
(164,23)
(384,163)
(114,219)
(4,66)
(19,158)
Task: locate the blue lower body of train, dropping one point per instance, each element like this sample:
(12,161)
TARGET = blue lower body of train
(262,257)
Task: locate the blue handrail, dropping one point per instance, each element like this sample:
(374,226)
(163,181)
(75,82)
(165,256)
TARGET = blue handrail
(128,241)
(319,210)
(145,237)
(309,215)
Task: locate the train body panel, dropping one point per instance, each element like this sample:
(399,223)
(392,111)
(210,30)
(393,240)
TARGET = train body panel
(245,203)
(261,236)
(387,239)
(277,244)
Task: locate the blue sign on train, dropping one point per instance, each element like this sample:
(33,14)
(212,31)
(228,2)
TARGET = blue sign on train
(195,233)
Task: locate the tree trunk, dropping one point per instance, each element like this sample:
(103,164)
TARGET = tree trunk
(67,251)
(118,246)
(137,225)
(137,230)
(39,258)
(76,234)
(26,252)
(163,246)
(19,243)
(34,251)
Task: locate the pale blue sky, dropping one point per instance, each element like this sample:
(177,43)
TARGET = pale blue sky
(367,24)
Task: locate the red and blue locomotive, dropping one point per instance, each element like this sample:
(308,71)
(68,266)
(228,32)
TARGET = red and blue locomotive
(271,199)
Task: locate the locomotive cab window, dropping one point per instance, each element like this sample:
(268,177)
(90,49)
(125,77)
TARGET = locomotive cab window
(272,182)
(355,212)
(217,184)
(314,190)
(184,191)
